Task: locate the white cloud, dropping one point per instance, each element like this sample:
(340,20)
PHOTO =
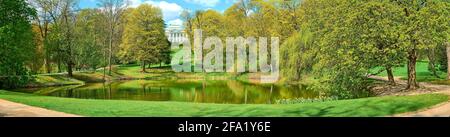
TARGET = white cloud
(178,22)
(171,11)
(206,3)
(135,3)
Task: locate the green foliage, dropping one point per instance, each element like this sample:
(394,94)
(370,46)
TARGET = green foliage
(144,37)
(210,21)
(16,42)
(440,58)
(263,19)
(305,100)
(364,37)
(426,23)
(247,18)
(288,17)
(298,56)
(89,49)
(350,38)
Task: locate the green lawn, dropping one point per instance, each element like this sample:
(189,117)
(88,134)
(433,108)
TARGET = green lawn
(374,106)
(132,71)
(423,75)
(53,80)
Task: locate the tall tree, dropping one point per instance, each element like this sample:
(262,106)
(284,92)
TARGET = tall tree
(113,10)
(187,16)
(47,17)
(298,56)
(144,36)
(425,26)
(447,49)
(89,49)
(66,30)
(16,41)
(39,53)
(375,26)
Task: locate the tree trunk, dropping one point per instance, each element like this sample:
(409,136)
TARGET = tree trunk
(68,39)
(69,68)
(448,60)
(143,66)
(431,62)
(412,58)
(390,76)
(104,65)
(110,47)
(47,64)
(59,66)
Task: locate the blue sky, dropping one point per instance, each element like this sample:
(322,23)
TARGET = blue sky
(172,8)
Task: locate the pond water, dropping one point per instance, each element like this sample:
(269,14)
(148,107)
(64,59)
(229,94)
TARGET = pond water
(223,92)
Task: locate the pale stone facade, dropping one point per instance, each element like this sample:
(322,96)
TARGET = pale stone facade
(175,33)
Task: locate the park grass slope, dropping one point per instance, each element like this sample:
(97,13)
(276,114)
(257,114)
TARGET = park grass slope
(374,106)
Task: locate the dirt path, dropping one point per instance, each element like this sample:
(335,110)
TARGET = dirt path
(12,109)
(441,110)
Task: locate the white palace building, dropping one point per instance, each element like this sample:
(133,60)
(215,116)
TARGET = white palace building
(175,33)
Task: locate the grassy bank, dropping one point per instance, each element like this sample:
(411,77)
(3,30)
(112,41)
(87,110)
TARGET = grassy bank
(375,106)
(53,80)
(165,72)
(62,79)
(125,72)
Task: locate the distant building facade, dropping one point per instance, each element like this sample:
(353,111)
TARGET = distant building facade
(176,33)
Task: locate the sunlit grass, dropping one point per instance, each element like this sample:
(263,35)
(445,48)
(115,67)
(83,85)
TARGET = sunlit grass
(422,73)
(53,80)
(374,106)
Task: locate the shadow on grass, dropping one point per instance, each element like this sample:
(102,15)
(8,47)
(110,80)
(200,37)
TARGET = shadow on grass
(375,106)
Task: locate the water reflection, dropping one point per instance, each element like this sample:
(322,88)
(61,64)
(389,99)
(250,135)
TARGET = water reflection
(224,92)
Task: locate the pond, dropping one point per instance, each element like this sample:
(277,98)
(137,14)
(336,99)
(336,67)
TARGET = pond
(222,92)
